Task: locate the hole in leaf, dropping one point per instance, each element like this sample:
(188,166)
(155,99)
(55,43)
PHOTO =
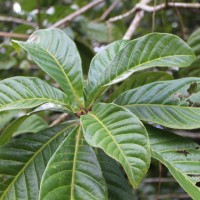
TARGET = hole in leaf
(197,148)
(198,184)
(194,175)
(183,152)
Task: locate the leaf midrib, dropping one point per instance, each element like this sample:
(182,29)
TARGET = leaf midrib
(140,65)
(77,139)
(32,99)
(108,131)
(159,105)
(62,69)
(32,158)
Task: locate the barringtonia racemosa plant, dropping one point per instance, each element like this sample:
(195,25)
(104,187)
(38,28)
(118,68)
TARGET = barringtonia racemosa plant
(86,157)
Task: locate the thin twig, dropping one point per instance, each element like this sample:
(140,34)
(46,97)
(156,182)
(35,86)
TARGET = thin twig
(17,20)
(60,119)
(123,16)
(159,183)
(188,134)
(153,17)
(134,24)
(150,9)
(181,23)
(156,180)
(65,21)
(14,35)
(109,10)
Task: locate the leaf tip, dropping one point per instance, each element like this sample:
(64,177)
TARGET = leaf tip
(17,47)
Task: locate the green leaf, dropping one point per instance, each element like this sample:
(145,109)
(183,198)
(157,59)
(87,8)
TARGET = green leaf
(193,70)
(6,116)
(155,49)
(73,172)
(33,124)
(180,155)
(102,60)
(118,186)
(57,55)
(121,135)
(86,53)
(9,131)
(27,92)
(139,79)
(194,41)
(173,104)
(23,161)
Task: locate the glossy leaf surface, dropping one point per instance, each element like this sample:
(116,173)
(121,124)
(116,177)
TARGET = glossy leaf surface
(23,161)
(57,55)
(118,186)
(137,80)
(27,92)
(101,60)
(173,104)
(180,155)
(121,135)
(155,49)
(73,172)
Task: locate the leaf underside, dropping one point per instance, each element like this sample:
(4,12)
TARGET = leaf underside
(118,186)
(27,92)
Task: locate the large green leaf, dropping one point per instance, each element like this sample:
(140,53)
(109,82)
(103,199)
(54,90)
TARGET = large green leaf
(139,79)
(173,104)
(194,41)
(57,55)
(23,161)
(27,92)
(155,49)
(118,186)
(73,172)
(100,62)
(121,135)
(180,155)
